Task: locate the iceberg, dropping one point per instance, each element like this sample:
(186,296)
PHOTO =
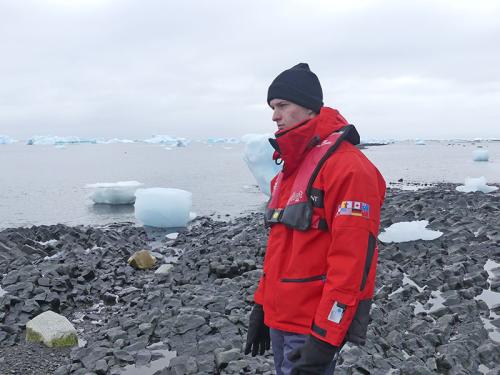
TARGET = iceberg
(375,142)
(214,140)
(5,140)
(420,142)
(409,231)
(114,140)
(121,192)
(472,185)
(168,140)
(480,154)
(55,140)
(163,207)
(258,156)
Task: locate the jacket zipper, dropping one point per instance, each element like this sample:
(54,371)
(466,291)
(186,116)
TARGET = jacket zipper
(305,280)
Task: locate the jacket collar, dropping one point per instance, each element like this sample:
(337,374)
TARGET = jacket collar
(293,143)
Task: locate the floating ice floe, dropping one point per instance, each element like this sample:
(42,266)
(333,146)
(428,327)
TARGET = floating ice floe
(162,207)
(114,140)
(55,140)
(258,156)
(5,140)
(121,192)
(407,186)
(375,142)
(476,184)
(409,231)
(168,140)
(214,140)
(480,154)
(420,142)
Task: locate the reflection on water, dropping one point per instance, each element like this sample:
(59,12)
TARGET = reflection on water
(111,209)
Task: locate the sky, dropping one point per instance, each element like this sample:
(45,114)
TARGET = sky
(396,69)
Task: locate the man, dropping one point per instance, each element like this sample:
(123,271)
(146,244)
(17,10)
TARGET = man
(319,269)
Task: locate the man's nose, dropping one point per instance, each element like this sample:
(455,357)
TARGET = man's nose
(276,115)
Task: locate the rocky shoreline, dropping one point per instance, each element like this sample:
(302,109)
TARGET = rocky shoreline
(429,314)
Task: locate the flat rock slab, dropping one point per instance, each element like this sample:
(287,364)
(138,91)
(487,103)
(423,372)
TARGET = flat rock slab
(52,329)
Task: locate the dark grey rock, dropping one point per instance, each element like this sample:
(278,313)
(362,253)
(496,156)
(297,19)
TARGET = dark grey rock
(184,365)
(123,356)
(143,357)
(101,367)
(186,322)
(224,357)
(109,298)
(115,333)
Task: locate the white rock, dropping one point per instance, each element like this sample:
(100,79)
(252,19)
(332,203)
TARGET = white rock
(164,268)
(52,329)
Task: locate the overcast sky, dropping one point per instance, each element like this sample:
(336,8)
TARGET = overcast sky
(134,68)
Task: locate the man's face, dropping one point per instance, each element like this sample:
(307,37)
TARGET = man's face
(287,114)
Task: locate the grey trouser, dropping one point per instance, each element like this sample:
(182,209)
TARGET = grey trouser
(283,343)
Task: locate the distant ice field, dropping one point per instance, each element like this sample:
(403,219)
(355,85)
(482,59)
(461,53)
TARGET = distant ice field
(43,184)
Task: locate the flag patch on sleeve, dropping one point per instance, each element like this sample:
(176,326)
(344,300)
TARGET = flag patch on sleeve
(354,208)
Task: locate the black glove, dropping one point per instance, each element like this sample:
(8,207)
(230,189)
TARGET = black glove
(312,358)
(258,338)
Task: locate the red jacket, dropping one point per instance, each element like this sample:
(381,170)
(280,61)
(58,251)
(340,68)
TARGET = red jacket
(319,281)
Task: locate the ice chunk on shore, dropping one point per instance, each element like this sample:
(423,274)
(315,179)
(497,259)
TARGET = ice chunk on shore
(480,154)
(259,158)
(476,184)
(121,192)
(162,207)
(409,231)
(172,236)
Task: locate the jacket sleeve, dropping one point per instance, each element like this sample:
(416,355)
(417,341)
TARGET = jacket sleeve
(353,199)
(258,296)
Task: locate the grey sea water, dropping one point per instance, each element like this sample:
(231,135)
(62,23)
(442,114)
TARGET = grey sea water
(43,184)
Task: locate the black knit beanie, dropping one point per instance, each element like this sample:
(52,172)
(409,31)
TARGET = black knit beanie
(298,85)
